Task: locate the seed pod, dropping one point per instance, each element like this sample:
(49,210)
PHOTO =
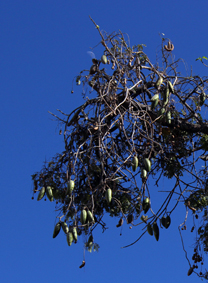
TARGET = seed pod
(135,163)
(163,221)
(159,82)
(143,173)
(56,194)
(147,164)
(149,229)
(144,218)
(108,195)
(65,227)
(90,241)
(70,186)
(161,111)
(69,238)
(120,223)
(83,217)
(165,97)
(104,59)
(129,218)
(154,104)
(41,193)
(90,217)
(49,193)
(56,229)
(202,98)
(168,117)
(74,232)
(190,271)
(155,97)
(168,221)
(170,87)
(156,230)
(146,205)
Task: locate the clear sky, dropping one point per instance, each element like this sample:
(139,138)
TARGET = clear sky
(44,44)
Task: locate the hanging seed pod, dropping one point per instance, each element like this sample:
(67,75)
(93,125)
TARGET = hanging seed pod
(74,232)
(144,218)
(41,193)
(155,97)
(64,227)
(154,104)
(168,221)
(69,238)
(70,186)
(168,117)
(156,230)
(135,163)
(90,241)
(129,218)
(56,230)
(165,97)
(90,217)
(104,59)
(120,223)
(146,205)
(147,164)
(163,221)
(150,229)
(190,271)
(154,101)
(159,82)
(143,173)
(49,193)
(108,195)
(83,264)
(171,88)
(202,98)
(56,194)
(83,217)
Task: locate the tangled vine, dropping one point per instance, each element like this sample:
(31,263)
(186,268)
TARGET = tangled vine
(145,121)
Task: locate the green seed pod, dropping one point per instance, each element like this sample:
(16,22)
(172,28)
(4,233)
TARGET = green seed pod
(154,104)
(108,195)
(104,59)
(135,163)
(69,238)
(41,193)
(144,218)
(65,227)
(56,229)
(83,217)
(159,82)
(70,186)
(168,221)
(149,229)
(156,230)
(49,193)
(78,82)
(143,173)
(202,98)
(74,232)
(146,205)
(147,164)
(155,97)
(168,117)
(90,217)
(171,88)
(161,111)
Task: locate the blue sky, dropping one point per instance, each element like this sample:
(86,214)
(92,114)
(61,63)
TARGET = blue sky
(43,46)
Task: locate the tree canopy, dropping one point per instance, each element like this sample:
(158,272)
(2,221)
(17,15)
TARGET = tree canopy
(144,122)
